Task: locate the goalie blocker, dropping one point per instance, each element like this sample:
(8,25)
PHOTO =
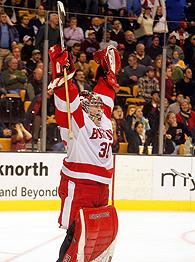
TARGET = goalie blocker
(93,235)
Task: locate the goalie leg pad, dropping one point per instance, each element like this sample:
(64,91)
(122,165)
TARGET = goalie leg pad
(94,235)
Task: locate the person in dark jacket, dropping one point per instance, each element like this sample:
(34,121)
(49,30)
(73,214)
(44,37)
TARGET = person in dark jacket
(136,138)
(53,33)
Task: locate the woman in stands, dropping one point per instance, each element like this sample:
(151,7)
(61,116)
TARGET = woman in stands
(177,130)
(137,137)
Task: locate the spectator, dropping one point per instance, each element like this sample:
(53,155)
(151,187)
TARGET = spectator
(129,22)
(23,28)
(95,26)
(90,45)
(172,47)
(168,144)
(130,45)
(118,115)
(176,106)
(148,83)
(40,65)
(145,31)
(20,137)
(75,51)
(16,53)
(133,71)
(14,79)
(53,33)
(186,115)
(4,131)
(186,86)
(151,111)
(169,85)
(136,138)
(73,34)
(189,51)
(39,19)
(31,65)
(155,49)
(117,33)
(130,111)
(158,67)
(106,41)
(36,81)
(181,33)
(115,145)
(176,130)
(26,51)
(176,60)
(160,24)
(79,81)
(84,66)
(142,58)
(8,36)
(135,117)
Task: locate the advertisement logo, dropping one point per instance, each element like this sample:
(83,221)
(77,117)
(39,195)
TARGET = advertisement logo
(174,177)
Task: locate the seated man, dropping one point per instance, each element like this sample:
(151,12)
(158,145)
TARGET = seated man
(15,80)
(148,83)
(133,71)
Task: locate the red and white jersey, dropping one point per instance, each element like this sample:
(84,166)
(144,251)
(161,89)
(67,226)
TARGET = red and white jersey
(89,153)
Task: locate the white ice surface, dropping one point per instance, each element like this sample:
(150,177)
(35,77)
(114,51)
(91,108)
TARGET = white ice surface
(143,237)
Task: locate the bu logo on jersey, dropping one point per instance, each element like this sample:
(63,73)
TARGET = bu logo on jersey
(101,133)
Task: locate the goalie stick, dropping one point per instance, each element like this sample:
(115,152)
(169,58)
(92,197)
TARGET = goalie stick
(61,15)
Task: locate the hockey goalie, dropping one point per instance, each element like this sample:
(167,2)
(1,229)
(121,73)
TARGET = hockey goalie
(91,224)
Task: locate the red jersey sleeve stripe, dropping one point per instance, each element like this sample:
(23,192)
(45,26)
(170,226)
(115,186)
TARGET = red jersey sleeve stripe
(89,168)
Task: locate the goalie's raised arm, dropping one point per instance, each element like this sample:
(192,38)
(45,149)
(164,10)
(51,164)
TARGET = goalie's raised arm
(66,97)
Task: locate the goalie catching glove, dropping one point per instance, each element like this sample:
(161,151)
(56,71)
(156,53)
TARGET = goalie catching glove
(109,60)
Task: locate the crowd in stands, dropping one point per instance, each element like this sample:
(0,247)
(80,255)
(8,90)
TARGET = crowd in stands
(139,29)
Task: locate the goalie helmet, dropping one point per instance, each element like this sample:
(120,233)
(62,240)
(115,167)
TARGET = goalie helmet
(92,104)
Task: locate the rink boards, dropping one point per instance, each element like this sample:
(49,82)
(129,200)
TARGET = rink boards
(29,181)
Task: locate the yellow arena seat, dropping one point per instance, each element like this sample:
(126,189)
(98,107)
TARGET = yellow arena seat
(26,105)
(125,89)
